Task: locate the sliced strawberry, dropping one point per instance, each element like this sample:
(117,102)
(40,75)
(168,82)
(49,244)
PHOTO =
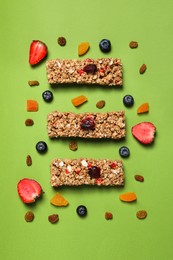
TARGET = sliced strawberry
(29,190)
(144,132)
(38,51)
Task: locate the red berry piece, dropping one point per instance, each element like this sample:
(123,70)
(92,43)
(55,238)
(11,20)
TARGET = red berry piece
(144,132)
(88,123)
(38,51)
(90,68)
(94,172)
(113,165)
(29,190)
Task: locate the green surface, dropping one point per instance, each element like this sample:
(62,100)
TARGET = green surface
(125,237)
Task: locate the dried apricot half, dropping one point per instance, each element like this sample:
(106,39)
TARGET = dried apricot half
(128,197)
(143,108)
(83,47)
(59,200)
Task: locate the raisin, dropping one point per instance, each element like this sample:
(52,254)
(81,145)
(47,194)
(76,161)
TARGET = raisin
(142,69)
(73,146)
(133,44)
(53,218)
(139,178)
(94,172)
(88,123)
(32,83)
(100,104)
(108,215)
(61,41)
(28,160)
(90,68)
(29,216)
(29,122)
(141,214)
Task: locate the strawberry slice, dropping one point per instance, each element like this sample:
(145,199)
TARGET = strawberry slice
(144,132)
(38,51)
(29,190)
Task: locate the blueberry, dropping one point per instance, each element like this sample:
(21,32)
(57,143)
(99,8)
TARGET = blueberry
(124,151)
(128,100)
(41,147)
(81,211)
(105,45)
(47,96)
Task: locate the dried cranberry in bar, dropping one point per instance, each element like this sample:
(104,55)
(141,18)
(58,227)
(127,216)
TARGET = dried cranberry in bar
(94,172)
(88,123)
(90,68)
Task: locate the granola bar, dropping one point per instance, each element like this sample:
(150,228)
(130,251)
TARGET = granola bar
(103,71)
(86,125)
(76,172)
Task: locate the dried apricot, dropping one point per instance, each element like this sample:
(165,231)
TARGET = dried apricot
(128,197)
(144,108)
(79,100)
(59,200)
(83,48)
(32,105)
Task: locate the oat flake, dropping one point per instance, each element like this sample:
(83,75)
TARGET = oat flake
(69,168)
(84,163)
(61,163)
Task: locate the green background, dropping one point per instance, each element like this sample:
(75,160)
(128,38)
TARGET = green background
(125,237)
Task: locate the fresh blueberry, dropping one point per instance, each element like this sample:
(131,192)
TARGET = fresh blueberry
(124,151)
(105,45)
(128,100)
(81,211)
(47,96)
(41,147)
